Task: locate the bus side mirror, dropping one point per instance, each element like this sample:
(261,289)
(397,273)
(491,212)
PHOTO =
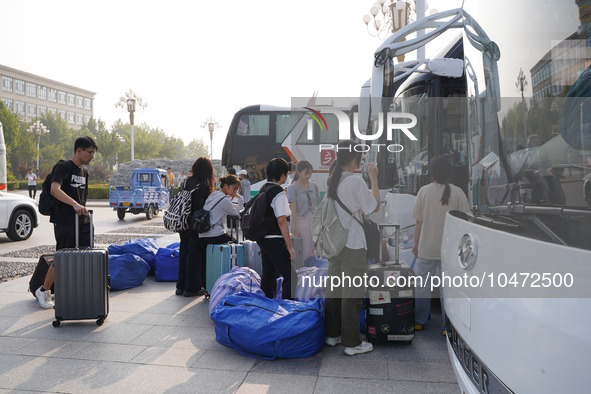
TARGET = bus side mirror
(446,67)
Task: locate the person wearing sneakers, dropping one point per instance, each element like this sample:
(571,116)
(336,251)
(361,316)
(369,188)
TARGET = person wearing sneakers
(69,189)
(343,304)
(432,204)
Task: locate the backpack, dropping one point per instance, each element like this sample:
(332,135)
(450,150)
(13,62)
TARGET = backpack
(255,221)
(46,200)
(178,214)
(200,219)
(328,233)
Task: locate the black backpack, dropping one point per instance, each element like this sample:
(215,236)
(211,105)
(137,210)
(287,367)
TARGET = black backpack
(200,219)
(256,223)
(46,200)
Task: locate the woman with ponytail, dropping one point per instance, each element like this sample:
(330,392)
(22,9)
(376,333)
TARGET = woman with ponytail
(432,204)
(343,304)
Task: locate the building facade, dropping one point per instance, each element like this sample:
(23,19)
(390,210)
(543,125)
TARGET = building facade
(560,67)
(29,96)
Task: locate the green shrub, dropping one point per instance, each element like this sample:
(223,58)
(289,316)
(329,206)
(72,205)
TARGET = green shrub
(15,185)
(98,192)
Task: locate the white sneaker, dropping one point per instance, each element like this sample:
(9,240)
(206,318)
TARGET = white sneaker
(332,341)
(44,298)
(365,347)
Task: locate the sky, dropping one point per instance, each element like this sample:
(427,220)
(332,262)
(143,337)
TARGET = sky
(190,60)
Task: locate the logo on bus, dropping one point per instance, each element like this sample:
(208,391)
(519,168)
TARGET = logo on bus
(393,123)
(315,115)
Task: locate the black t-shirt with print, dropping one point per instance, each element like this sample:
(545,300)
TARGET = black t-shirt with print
(74,181)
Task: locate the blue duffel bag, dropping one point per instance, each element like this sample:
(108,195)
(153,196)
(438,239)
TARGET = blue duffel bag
(237,280)
(127,271)
(146,248)
(311,283)
(259,327)
(166,265)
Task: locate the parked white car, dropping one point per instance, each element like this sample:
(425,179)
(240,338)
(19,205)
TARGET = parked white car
(18,216)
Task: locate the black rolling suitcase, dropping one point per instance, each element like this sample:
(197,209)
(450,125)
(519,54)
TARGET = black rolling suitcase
(81,282)
(391,300)
(38,277)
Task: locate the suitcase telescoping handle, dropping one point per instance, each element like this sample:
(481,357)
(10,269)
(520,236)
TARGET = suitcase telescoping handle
(77,229)
(396,239)
(234,226)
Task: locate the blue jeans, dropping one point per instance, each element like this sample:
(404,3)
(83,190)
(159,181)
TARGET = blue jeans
(426,269)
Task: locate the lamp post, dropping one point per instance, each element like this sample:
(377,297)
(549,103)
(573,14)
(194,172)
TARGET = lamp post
(211,124)
(38,128)
(521,84)
(389,16)
(133,103)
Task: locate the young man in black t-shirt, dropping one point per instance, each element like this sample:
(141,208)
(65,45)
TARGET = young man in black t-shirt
(69,187)
(276,250)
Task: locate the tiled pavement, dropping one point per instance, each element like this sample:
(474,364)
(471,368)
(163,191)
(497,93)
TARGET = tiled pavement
(154,341)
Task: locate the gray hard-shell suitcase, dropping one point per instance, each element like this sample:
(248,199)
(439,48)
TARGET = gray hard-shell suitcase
(252,256)
(297,243)
(81,282)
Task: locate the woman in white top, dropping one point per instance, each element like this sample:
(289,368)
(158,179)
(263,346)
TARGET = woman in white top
(343,304)
(303,196)
(219,204)
(432,204)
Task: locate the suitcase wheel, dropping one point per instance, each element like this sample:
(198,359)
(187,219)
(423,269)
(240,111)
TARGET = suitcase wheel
(56,323)
(100,322)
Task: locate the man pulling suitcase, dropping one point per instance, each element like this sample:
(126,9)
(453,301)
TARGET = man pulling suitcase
(69,190)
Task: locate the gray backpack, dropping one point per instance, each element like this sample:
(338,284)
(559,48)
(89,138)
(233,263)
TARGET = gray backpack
(328,234)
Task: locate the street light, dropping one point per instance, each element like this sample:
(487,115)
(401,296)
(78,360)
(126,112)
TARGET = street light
(521,84)
(133,103)
(211,124)
(389,16)
(38,128)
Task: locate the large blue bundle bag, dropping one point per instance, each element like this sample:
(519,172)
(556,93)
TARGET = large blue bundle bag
(146,248)
(166,265)
(314,261)
(311,283)
(127,271)
(259,327)
(239,279)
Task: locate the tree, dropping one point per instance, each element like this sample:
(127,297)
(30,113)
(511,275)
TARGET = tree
(196,148)
(51,154)
(172,148)
(108,143)
(12,133)
(59,133)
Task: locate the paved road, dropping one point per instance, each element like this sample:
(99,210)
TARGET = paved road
(154,341)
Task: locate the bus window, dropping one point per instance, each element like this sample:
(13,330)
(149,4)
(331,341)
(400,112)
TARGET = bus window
(414,159)
(285,123)
(253,125)
(330,136)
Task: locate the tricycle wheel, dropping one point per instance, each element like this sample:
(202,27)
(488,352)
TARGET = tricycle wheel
(121,214)
(150,212)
